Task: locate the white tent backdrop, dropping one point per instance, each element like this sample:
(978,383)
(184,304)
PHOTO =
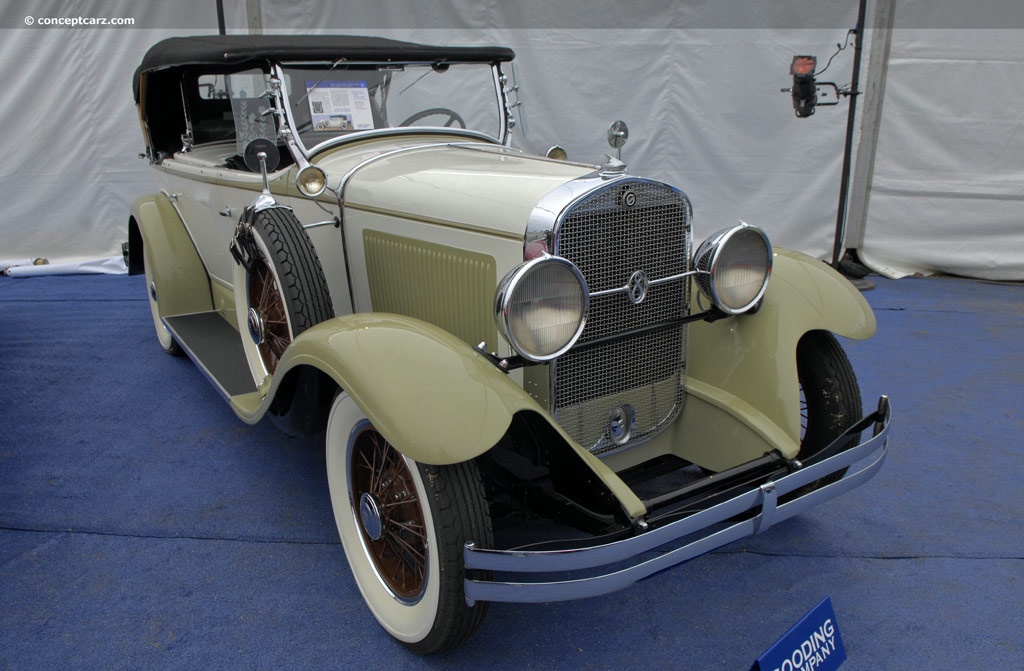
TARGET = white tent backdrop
(697,82)
(948,188)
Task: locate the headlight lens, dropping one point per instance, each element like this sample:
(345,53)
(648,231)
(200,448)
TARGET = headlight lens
(311,181)
(733,267)
(541,307)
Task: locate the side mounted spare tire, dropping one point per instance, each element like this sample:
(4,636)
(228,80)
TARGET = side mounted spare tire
(282,293)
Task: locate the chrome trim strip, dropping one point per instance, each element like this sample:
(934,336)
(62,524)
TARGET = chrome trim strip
(872,452)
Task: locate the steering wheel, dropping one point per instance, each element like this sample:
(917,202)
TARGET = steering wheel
(453,117)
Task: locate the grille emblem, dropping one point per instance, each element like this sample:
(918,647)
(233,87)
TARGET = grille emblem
(636,287)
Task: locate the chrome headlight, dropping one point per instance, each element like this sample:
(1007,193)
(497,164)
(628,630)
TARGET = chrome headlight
(311,181)
(541,307)
(733,267)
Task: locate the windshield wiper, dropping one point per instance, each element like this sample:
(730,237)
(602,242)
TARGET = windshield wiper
(318,82)
(438,66)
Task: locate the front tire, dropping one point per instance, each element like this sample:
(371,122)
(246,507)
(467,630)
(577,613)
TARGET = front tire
(403,526)
(829,398)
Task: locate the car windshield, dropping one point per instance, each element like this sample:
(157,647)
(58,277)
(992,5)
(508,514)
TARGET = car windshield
(328,101)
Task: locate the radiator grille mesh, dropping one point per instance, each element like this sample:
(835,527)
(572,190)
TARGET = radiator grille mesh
(617,230)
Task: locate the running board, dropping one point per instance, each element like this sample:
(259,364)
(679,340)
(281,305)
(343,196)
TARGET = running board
(216,348)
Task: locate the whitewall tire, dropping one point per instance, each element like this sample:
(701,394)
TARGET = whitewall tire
(403,526)
(167,341)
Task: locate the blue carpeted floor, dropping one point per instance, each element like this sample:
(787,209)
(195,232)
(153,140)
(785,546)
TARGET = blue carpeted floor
(143,526)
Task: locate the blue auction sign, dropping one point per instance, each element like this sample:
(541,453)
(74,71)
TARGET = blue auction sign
(813,644)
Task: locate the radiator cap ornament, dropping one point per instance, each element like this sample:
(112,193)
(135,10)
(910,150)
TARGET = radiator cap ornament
(618,133)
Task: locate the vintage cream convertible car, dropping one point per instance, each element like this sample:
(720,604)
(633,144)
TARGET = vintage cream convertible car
(533,386)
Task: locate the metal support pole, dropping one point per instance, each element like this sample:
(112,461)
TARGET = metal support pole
(844,187)
(221,29)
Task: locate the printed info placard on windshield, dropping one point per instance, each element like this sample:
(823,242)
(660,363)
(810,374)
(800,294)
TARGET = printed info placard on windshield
(339,105)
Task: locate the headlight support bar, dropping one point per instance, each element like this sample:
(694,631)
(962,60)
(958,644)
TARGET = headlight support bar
(516,361)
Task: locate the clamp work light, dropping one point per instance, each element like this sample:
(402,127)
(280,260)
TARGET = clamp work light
(805,89)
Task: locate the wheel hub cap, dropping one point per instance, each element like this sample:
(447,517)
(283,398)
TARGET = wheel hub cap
(257,327)
(370,516)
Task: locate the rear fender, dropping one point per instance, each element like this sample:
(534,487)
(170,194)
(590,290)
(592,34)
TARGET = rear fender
(168,250)
(744,367)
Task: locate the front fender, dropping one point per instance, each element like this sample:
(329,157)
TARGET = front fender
(426,391)
(744,367)
(818,297)
(432,396)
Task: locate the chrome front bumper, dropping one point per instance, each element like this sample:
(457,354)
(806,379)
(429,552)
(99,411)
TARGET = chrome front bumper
(613,566)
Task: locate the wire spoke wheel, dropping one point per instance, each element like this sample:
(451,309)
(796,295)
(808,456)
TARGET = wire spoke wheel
(284,292)
(803,414)
(392,523)
(269,315)
(403,526)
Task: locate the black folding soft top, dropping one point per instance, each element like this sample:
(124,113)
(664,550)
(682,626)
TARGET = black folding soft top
(238,49)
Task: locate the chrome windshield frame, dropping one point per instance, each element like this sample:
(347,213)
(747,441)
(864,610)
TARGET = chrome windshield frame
(295,142)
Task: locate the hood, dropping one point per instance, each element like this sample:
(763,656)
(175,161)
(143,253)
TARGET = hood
(482,187)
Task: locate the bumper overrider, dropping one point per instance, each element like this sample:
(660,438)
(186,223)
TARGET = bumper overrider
(539,576)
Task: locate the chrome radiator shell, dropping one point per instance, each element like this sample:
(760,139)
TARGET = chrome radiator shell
(631,238)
